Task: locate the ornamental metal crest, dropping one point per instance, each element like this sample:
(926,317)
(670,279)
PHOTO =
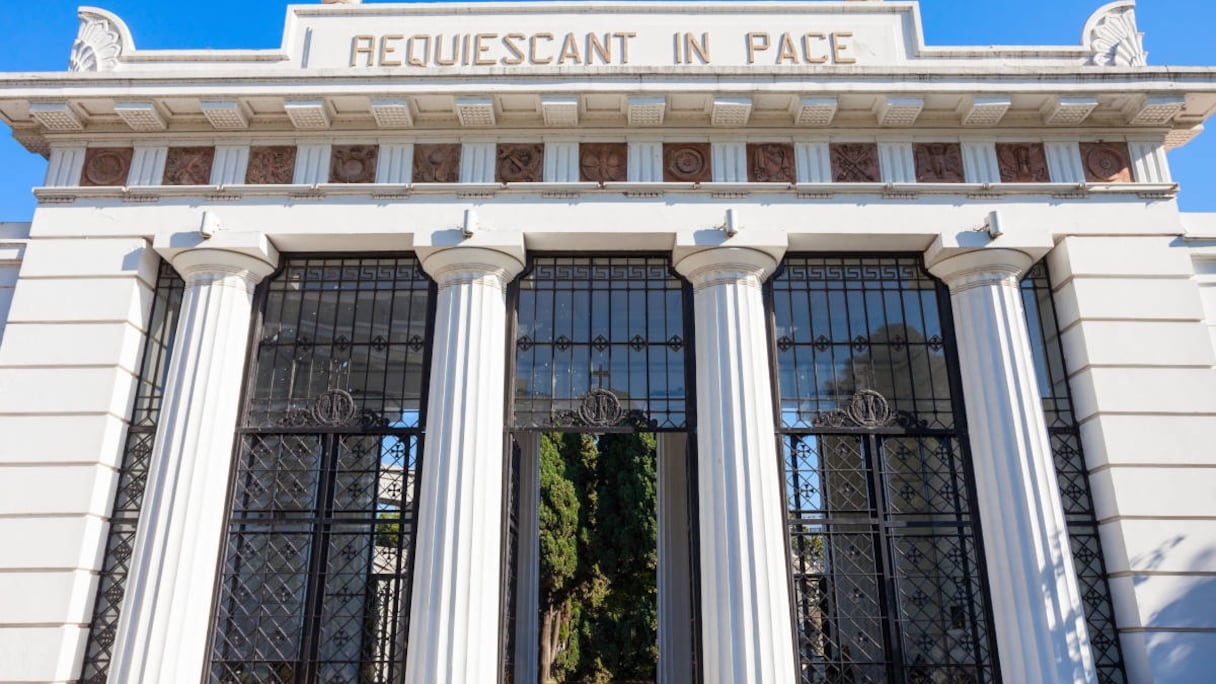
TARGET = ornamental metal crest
(600,408)
(865,409)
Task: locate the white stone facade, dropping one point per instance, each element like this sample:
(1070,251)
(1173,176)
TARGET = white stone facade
(1134,285)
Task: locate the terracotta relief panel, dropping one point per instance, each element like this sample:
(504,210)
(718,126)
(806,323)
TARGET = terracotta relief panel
(770,163)
(520,163)
(1022,163)
(271,165)
(188,165)
(353,163)
(106,166)
(687,163)
(437,163)
(939,162)
(603,162)
(1106,162)
(854,163)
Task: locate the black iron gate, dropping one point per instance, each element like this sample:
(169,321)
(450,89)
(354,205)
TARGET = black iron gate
(885,553)
(315,576)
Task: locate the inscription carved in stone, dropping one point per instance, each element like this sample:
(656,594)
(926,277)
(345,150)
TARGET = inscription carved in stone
(188,165)
(854,162)
(1106,162)
(437,163)
(687,163)
(353,163)
(271,165)
(520,163)
(770,163)
(106,166)
(1022,163)
(939,163)
(603,162)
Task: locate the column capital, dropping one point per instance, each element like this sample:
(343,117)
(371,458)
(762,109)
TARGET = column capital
(981,267)
(716,265)
(248,255)
(456,265)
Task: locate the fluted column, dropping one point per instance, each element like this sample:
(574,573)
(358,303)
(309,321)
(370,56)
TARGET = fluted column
(454,627)
(746,626)
(162,633)
(1040,623)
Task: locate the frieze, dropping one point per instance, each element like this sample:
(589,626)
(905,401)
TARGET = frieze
(437,163)
(520,163)
(687,163)
(770,163)
(939,163)
(854,163)
(603,162)
(106,166)
(353,163)
(271,165)
(1106,162)
(1022,163)
(188,165)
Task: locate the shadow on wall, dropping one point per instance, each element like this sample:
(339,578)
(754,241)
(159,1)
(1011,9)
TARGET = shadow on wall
(1183,602)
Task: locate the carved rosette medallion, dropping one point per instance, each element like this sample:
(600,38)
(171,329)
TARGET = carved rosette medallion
(188,165)
(603,162)
(1106,162)
(437,163)
(520,163)
(1022,163)
(353,163)
(770,163)
(600,408)
(854,162)
(271,165)
(939,163)
(106,166)
(687,163)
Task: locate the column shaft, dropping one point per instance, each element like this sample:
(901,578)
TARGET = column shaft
(454,625)
(1039,617)
(162,632)
(747,630)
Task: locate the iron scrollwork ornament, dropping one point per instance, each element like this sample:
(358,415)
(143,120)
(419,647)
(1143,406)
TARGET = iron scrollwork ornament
(865,409)
(333,408)
(600,408)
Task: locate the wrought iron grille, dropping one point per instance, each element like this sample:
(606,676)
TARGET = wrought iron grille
(315,580)
(885,552)
(1073,476)
(601,345)
(133,473)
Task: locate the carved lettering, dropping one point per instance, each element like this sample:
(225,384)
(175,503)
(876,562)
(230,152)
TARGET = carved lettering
(786,52)
(362,45)
(841,44)
(533,58)
(756,42)
(623,40)
(511,43)
(569,51)
(480,48)
(815,54)
(439,51)
(387,48)
(602,50)
(411,57)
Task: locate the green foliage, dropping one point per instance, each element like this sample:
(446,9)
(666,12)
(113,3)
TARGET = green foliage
(599,498)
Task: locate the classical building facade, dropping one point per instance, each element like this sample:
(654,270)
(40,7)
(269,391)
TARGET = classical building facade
(925,346)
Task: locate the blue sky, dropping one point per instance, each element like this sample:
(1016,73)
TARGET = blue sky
(39,34)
